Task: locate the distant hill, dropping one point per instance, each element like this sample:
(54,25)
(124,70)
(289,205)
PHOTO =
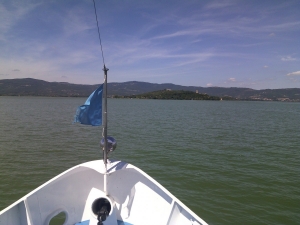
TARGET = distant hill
(33,87)
(174,95)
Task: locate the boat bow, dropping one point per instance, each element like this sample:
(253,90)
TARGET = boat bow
(134,198)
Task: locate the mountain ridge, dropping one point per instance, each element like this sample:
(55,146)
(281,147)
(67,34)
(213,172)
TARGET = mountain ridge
(34,87)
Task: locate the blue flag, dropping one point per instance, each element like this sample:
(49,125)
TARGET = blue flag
(91,112)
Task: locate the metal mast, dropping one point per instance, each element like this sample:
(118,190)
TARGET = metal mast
(104,112)
(105,150)
(104,115)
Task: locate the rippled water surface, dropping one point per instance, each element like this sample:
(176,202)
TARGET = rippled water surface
(230,162)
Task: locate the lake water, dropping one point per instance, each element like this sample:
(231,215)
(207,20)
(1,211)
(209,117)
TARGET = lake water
(231,162)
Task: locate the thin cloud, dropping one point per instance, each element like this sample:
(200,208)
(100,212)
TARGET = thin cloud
(288,58)
(186,32)
(284,26)
(9,18)
(196,58)
(218,5)
(297,73)
(230,80)
(74,22)
(164,41)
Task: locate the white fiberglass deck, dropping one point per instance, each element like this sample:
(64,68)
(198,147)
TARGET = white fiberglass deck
(134,196)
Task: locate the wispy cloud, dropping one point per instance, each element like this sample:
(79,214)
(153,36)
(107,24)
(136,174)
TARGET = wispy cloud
(288,58)
(296,73)
(186,32)
(12,12)
(77,22)
(284,26)
(218,5)
(195,26)
(211,42)
(230,81)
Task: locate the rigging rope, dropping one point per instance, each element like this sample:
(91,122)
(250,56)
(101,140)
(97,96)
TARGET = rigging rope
(99,32)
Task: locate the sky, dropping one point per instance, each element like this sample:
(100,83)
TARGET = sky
(229,43)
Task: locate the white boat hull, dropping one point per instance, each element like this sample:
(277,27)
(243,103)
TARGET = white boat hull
(135,198)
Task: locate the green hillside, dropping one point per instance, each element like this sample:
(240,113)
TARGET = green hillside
(174,95)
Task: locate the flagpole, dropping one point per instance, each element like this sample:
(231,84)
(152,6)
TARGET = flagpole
(105,129)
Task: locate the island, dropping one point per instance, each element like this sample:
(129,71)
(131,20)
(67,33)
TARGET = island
(172,95)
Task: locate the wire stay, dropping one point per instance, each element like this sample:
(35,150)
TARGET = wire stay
(99,33)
